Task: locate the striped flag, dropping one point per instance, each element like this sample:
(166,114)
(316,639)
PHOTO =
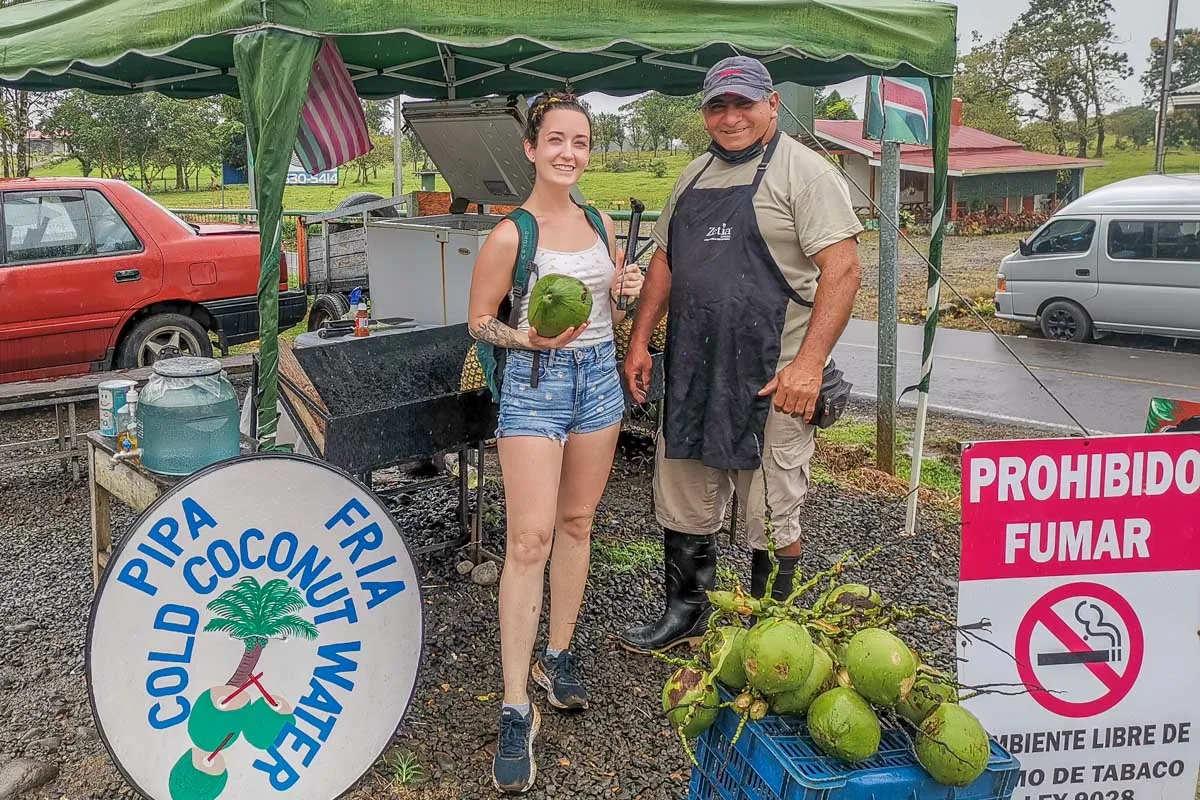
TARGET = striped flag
(899,110)
(333,128)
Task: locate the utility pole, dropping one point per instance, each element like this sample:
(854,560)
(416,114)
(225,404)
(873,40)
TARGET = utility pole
(1168,56)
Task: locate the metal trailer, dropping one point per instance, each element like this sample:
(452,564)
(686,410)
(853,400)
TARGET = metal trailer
(418,266)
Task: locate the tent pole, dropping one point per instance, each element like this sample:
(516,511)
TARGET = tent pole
(942,91)
(889,267)
(250,171)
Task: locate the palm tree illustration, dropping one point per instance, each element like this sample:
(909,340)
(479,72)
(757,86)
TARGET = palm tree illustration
(254,614)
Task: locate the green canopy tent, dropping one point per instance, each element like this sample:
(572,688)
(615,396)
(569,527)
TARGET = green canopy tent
(263,50)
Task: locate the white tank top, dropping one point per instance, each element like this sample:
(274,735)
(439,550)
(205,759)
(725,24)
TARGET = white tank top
(595,268)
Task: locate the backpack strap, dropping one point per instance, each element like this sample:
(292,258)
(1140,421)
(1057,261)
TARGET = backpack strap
(597,221)
(491,358)
(527,229)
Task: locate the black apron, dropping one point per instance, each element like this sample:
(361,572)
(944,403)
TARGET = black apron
(727,306)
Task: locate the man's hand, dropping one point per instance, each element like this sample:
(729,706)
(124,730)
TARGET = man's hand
(796,388)
(637,368)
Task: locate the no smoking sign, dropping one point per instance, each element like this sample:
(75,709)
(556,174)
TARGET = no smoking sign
(1083,636)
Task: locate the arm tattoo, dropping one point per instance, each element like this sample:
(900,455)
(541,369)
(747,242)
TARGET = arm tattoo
(493,331)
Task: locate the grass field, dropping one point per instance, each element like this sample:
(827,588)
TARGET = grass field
(1122,164)
(607,190)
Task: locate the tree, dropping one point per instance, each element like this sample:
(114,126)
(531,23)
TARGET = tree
(1183,125)
(988,104)
(1185,66)
(1064,58)
(694,135)
(378,114)
(832,106)
(73,122)
(1135,123)
(605,129)
(657,118)
(254,614)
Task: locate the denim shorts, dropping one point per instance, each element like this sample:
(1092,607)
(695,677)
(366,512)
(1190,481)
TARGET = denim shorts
(578,391)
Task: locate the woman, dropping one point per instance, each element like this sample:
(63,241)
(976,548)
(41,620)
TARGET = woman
(557,430)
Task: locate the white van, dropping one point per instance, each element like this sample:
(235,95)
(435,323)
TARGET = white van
(1123,258)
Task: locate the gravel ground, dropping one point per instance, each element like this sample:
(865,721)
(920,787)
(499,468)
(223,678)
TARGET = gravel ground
(969,264)
(622,748)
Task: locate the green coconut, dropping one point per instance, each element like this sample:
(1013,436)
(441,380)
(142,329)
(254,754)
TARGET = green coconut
(213,718)
(880,666)
(197,775)
(687,688)
(558,302)
(263,722)
(725,648)
(952,745)
(843,725)
(927,693)
(778,655)
(820,679)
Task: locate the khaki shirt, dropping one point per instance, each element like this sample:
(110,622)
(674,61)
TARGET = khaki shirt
(802,206)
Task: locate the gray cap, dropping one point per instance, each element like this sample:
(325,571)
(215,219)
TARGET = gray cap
(740,75)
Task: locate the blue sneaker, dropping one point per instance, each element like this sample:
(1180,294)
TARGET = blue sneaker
(560,678)
(513,769)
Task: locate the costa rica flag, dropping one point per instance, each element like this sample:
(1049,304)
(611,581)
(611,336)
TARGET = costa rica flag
(899,110)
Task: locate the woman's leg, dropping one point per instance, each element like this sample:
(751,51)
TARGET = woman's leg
(531,466)
(587,462)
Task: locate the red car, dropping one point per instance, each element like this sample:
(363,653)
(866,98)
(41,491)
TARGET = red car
(95,275)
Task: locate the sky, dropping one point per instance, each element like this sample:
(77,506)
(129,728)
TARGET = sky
(1136,23)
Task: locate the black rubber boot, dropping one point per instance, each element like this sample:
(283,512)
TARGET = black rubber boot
(760,570)
(690,570)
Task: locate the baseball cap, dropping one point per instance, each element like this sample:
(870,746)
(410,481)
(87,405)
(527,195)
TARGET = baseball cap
(740,75)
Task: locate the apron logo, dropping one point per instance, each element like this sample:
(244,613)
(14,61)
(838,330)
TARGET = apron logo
(720,233)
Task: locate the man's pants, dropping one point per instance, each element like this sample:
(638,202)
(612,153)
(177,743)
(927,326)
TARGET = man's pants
(690,497)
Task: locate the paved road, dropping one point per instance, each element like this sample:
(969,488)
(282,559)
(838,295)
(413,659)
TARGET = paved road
(1108,389)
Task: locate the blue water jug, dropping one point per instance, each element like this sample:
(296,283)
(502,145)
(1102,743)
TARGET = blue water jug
(188,416)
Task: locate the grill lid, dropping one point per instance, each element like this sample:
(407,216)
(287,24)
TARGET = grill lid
(477,145)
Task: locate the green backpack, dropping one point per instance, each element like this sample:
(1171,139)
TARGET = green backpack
(491,358)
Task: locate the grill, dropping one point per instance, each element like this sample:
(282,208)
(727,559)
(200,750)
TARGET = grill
(387,400)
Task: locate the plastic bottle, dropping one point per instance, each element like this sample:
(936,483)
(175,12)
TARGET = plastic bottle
(360,320)
(127,424)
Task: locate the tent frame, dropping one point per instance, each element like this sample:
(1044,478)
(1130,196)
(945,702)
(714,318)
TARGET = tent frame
(271,59)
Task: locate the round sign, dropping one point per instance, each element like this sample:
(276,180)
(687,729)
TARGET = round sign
(1081,645)
(258,631)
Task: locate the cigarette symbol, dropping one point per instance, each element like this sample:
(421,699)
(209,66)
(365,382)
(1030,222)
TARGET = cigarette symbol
(1091,616)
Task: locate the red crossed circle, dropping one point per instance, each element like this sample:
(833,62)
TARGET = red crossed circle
(1117,684)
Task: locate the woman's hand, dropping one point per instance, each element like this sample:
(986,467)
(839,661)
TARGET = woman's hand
(627,282)
(558,342)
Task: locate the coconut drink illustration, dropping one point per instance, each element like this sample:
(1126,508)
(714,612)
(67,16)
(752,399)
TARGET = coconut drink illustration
(198,775)
(254,614)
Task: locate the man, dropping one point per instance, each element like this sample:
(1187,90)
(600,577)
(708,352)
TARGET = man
(748,230)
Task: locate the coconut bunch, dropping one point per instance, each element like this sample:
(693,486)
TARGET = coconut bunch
(839,663)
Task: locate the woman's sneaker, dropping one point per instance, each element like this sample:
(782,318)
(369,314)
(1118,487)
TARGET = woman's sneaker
(559,676)
(513,768)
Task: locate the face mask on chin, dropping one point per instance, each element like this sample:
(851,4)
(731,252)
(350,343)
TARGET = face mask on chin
(737,156)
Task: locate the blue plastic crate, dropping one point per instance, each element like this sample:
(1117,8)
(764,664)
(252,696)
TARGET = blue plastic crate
(776,759)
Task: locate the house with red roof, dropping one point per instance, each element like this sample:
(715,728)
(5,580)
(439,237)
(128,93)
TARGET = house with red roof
(986,171)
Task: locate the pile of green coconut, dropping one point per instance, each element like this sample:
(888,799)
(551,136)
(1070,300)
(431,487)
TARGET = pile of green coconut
(837,663)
